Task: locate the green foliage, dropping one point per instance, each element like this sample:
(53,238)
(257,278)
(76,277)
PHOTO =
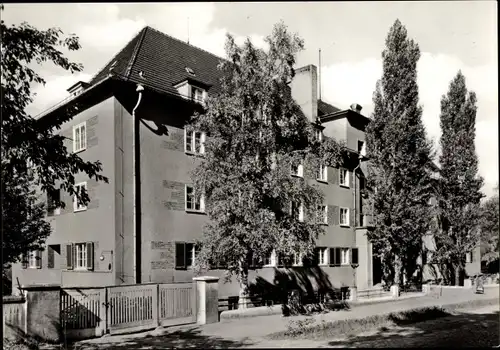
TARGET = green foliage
(254,131)
(33,157)
(401,159)
(490,211)
(458,210)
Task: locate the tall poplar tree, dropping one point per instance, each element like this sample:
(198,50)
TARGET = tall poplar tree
(255,132)
(460,185)
(401,160)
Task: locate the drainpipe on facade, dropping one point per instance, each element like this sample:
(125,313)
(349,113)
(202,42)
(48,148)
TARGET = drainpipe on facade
(354,175)
(136,188)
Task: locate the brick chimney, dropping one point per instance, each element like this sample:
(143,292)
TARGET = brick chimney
(305,90)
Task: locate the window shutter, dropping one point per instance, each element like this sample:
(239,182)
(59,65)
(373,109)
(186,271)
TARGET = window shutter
(180,255)
(354,256)
(338,256)
(315,257)
(38,259)
(75,141)
(331,257)
(351,178)
(351,217)
(24,261)
(90,255)
(50,257)
(69,256)
(336,215)
(334,176)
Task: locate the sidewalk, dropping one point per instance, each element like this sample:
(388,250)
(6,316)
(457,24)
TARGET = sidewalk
(251,331)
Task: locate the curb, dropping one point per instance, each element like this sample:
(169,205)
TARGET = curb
(231,315)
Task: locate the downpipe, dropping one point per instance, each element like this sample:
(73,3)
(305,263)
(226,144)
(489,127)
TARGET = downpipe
(136,187)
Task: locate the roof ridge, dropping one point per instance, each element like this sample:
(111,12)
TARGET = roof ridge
(134,53)
(186,43)
(115,56)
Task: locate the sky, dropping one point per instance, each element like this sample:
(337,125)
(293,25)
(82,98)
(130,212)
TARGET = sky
(452,36)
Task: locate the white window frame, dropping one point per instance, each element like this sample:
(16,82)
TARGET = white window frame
(344,256)
(297,259)
(341,223)
(468,257)
(77,206)
(201,200)
(33,257)
(193,255)
(343,177)
(81,145)
(323,256)
(192,94)
(299,172)
(80,250)
(272,260)
(322,215)
(190,146)
(301,211)
(323,173)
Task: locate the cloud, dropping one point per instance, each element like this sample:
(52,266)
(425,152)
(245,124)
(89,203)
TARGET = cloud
(346,83)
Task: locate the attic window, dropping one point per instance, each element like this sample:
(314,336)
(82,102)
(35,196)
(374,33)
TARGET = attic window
(190,71)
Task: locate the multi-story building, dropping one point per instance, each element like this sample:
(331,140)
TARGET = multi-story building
(140,227)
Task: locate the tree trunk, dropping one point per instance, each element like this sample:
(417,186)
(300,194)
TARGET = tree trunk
(397,270)
(243,299)
(458,270)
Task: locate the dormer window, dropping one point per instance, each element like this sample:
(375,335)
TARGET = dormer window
(197,94)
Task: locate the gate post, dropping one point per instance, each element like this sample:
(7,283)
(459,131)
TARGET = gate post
(103,311)
(207,299)
(156,305)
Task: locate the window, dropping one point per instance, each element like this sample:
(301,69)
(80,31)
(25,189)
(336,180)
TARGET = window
(35,259)
(297,170)
(79,137)
(360,145)
(319,135)
(344,256)
(53,198)
(194,142)
(271,259)
(80,256)
(297,211)
(193,201)
(344,177)
(323,173)
(469,257)
(344,217)
(297,259)
(77,204)
(197,94)
(322,215)
(321,255)
(185,255)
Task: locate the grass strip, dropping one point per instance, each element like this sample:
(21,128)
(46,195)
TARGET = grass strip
(310,328)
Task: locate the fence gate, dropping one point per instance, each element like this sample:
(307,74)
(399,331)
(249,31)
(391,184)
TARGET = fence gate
(131,308)
(176,303)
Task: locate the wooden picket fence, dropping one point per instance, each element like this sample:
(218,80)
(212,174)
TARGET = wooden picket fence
(90,312)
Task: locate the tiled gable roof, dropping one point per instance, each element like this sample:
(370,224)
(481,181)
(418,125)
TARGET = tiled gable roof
(326,108)
(163,60)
